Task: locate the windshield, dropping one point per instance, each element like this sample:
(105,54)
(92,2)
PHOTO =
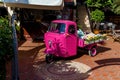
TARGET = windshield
(57,27)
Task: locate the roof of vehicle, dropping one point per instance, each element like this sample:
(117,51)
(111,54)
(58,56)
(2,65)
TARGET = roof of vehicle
(64,21)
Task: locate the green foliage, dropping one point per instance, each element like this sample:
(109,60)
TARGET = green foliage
(117,2)
(17,28)
(98,3)
(97,15)
(89,3)
(116,10)
(79,26)
(116,6)
(113,5)
(6,48)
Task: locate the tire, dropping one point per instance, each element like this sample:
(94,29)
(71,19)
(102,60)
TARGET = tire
(49,58)
(92,52)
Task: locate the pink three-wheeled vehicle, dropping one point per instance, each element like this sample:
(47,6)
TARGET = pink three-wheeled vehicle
(62,40)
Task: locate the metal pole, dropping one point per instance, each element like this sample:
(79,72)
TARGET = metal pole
(15,75)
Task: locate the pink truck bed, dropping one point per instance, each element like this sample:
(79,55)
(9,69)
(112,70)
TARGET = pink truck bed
(81,43)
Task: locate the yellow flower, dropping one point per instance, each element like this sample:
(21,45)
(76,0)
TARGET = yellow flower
(104,34)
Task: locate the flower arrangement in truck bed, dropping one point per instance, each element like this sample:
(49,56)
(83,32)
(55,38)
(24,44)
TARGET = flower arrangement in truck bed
(94,38)
(91,37)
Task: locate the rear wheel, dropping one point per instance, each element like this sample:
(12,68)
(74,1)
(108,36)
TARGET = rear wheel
(92,52)
(49,58)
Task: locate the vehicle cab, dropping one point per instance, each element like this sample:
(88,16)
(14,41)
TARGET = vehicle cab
(61,38)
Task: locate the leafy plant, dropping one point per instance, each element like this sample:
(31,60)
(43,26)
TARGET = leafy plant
(98,3)
(116,6)
(113,5)
(6,46)
(97,15)
(79,26)
(6,50)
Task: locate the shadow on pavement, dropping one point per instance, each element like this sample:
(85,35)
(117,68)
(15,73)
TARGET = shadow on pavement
(102,49)
(32,52)
(68,70)
(106,62)
(81,52)
(111,61)
(62,70)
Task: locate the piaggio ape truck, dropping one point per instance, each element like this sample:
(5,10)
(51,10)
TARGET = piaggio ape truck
(62,40)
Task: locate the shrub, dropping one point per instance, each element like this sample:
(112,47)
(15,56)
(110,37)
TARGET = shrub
(97,15)
(6,41)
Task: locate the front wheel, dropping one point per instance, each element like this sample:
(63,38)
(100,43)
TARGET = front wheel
(49,58)
(92,52)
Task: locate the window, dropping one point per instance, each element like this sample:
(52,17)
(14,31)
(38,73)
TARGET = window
(57,27)
(71,29)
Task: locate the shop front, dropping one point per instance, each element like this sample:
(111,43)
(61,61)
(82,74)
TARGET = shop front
(35,16)
(35,22)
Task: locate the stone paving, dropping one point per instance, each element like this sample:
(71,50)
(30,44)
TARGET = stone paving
(104,66)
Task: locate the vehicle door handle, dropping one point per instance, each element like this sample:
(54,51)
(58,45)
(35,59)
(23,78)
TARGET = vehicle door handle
(66,35)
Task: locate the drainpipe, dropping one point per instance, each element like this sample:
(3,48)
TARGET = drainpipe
(15,75)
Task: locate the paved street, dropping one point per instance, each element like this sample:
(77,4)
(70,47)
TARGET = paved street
(104,66)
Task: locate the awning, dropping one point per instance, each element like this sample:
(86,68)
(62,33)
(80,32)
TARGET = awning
(36,4)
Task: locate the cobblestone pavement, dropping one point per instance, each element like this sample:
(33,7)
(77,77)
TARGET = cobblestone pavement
(104,66)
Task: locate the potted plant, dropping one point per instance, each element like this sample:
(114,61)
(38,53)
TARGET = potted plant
(97,16)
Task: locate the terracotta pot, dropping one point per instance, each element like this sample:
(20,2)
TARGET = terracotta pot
(96,31)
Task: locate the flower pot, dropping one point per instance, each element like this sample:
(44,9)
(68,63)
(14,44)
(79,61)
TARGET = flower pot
(96,31)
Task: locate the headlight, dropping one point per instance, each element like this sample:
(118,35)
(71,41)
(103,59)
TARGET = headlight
(50,43)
